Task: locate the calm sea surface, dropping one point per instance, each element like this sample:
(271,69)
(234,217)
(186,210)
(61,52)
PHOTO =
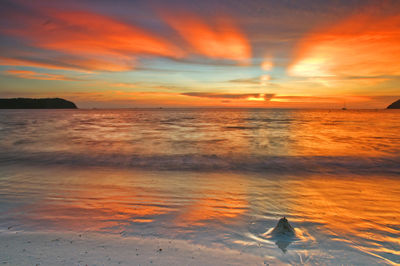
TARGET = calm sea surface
(221,177)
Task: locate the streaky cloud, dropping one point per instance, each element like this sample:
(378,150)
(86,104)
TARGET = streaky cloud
(64,62)
(95,41)
(27,74)
(366,44)
(266,96)
(221,40)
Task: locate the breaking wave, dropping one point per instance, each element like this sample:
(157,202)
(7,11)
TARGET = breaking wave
(198,162)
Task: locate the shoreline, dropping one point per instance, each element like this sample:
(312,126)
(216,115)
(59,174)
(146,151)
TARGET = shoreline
(49,248)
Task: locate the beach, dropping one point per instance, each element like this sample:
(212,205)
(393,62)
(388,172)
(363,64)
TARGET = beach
(43,248)
(208,132)
(92,186)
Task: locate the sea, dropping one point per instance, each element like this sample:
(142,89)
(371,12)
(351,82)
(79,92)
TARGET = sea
(213,177)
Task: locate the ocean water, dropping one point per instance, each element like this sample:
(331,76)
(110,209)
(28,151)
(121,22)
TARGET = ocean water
(219,177)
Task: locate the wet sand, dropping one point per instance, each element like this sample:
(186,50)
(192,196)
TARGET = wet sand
(217,181)
(44,248)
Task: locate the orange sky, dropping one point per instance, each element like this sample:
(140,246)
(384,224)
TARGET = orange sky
(264,55)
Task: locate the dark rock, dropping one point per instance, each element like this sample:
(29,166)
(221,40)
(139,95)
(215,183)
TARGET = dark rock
(283,244)
(283,234)
(29,103)
(395,105)
(283,228)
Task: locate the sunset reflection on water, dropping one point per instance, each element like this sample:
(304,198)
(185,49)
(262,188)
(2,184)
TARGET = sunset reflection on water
(209,176)
(355,211)
(98,134)
(359,211)
(112,201)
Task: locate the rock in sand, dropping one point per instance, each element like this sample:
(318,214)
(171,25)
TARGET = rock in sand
(283,228)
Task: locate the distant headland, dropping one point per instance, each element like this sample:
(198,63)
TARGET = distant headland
(395,105)
(30,103)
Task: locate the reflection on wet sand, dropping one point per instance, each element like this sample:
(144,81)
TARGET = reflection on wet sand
(360,213)
(214,198)
(98,203)
(114,201)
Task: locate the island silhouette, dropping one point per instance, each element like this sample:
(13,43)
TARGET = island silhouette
(395,105)
(41,103)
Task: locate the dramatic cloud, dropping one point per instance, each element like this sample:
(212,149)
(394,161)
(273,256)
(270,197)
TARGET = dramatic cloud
(223,39)
(213,53)
(261,80)
(66,63)
(101,42)
(26,74)
(255,80)
(247,96)
(362,45)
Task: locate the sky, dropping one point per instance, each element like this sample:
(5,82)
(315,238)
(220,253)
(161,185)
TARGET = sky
(219,53)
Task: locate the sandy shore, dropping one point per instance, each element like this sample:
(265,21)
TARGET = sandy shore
(43,248)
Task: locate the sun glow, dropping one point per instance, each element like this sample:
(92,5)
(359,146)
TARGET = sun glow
(362,45)
(267,65)
(261,98)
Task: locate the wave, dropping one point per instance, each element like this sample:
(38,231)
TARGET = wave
(212,162)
